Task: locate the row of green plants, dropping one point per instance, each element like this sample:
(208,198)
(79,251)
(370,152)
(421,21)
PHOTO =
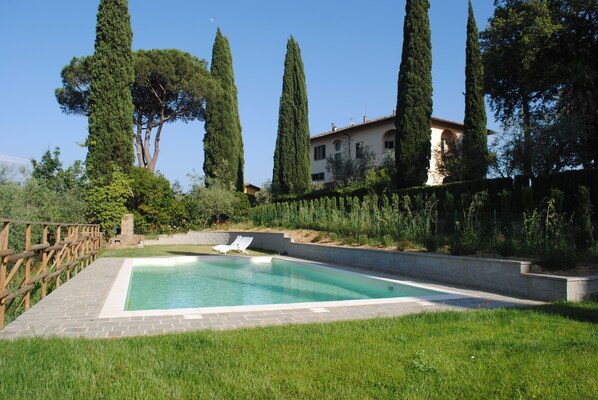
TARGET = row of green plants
(517,194)
(462,227)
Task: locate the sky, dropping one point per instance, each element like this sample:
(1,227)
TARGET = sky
(351,52)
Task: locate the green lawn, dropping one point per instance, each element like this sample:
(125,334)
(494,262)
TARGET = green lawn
(548,352)
(171,250)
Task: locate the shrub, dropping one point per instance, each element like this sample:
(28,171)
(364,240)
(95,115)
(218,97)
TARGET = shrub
(584,237)
(467,236)
(431,243)
(503,245)
(106,201)
(153,203)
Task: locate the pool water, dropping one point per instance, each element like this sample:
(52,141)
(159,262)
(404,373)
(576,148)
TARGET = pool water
(224,281)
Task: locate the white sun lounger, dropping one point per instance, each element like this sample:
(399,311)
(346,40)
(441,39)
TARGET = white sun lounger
(223,248)
(240,244)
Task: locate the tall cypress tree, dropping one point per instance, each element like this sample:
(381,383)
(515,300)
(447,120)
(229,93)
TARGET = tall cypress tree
(223,143)
(414,98)
(110,139)
(291,173)
(474,132)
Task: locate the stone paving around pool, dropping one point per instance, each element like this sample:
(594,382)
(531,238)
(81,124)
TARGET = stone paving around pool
(73,310)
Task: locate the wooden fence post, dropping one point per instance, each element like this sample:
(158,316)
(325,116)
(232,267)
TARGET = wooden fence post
(3,261)
(27,266)
(44,262)
(58,255)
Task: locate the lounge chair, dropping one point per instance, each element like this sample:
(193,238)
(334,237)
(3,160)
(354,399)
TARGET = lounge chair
(240,244)
(223,248)
(243,244)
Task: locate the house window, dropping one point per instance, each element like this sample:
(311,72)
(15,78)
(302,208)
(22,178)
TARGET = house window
(337,145)
(359,150)
(389,144)
(320,152)
(317,177)
(337,156)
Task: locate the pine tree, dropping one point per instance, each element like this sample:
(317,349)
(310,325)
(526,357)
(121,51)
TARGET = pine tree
(291,173)
(474,132)
(110,140)
(414,98)
(223,143)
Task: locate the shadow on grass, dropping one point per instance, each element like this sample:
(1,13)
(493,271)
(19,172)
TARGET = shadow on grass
(586,311)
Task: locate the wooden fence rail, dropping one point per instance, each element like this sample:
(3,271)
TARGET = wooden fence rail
(42,265)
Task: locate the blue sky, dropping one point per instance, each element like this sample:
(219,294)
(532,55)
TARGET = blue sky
(351,51)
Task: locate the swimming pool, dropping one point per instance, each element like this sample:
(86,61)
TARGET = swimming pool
(176,285)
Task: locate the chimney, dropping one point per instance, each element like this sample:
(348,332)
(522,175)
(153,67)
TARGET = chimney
(365,119)
(333,127)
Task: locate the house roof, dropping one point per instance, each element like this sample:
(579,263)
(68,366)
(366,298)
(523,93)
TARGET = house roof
(249,185)
(347,129)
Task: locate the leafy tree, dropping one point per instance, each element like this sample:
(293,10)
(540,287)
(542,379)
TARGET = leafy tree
(30,198)
(517,32)
(170,85)
(540,72)
(474,130)
(106,201)
(264,196)
(346,170)
(223,140)
(153,202)
(50,172)
(291,172)
(110,103)
(48,167)
(214,202)
(575,62)
(449,163)
(414,99)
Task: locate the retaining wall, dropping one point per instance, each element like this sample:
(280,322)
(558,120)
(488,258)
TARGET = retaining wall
(502,276)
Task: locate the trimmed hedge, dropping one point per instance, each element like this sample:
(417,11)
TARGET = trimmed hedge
(505,195)
(568,183)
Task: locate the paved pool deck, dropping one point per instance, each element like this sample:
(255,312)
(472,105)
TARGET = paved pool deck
(73,310)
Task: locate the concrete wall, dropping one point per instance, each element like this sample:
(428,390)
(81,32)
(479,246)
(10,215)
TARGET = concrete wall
(501,276)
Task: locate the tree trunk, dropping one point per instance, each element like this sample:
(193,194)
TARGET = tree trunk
(152,164)
(139,142)
(147,155)
(526,167)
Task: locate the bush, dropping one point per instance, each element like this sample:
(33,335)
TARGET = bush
(106,201)
(504,246)
(584,237)
(468,231)
(152,202)
(558,259)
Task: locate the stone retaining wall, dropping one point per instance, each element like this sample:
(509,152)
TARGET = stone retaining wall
(501,276)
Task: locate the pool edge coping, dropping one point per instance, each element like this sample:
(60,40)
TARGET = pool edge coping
(113,306)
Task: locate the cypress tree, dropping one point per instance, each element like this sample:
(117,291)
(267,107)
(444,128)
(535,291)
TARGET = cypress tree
(474,132)
(414,98)
(110,139)
(291,173)
(223,143)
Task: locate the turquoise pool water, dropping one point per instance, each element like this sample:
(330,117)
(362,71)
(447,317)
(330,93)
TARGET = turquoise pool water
(243,281)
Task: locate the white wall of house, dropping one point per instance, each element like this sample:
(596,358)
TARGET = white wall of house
(373,134)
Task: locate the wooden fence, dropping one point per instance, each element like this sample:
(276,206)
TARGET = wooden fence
(41,267)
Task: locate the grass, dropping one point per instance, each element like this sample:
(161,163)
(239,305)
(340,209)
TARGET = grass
(171,250)
(543,352)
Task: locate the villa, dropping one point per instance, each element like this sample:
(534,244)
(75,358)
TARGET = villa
(379,135)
